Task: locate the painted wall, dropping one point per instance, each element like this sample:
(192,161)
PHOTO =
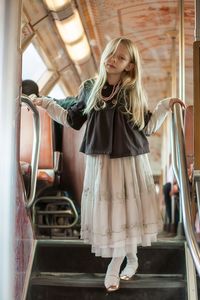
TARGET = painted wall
(23,241)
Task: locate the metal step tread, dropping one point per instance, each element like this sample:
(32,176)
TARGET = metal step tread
(161,243)
(92,280)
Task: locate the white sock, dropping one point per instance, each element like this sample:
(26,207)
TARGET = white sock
(112,274)
(131,266)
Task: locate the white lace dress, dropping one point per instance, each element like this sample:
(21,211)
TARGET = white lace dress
(119,209)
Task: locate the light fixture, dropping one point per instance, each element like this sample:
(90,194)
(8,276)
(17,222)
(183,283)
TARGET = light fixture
(80,51)
(70,29)
(56,5)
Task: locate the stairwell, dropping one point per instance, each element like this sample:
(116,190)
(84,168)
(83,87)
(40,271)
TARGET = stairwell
(66,270)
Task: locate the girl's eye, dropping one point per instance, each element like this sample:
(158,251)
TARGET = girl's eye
(121,57)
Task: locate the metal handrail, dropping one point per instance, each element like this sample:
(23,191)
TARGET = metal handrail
(174,151)
(176,172)
(49,199)
(36,149)
(183,181)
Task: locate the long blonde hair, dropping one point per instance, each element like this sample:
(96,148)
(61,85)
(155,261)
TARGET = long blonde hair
(131,83)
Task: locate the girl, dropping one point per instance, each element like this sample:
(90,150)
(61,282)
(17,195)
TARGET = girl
(118,208)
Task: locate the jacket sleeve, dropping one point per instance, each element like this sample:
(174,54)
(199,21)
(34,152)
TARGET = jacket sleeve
(75,117)
(67,102)
(72,116)
(157,117)
(55,111)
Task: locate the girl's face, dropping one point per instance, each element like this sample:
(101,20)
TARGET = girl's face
(119,61)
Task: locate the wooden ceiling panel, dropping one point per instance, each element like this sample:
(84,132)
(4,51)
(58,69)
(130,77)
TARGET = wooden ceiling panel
(35,10)
(47,35)
(153,17)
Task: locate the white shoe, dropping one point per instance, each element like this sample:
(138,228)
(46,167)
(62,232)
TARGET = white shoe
(111,282)
(112,278)
(129,271)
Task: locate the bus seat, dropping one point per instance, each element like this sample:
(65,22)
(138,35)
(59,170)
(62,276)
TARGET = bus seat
(53,212)
(46,170)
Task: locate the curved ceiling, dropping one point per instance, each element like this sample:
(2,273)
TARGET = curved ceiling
(152,25)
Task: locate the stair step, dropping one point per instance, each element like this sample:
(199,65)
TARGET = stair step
(64,269)
(76,257)
(76,286)
(97,280)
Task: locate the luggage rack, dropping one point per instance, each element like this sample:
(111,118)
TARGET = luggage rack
(55,217)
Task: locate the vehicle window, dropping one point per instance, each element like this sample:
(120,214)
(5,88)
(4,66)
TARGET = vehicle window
(32,64)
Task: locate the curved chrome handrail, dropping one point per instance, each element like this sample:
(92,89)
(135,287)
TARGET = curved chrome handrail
(36,149)
(53,198)
(176,173)
(174,151)
(184,185)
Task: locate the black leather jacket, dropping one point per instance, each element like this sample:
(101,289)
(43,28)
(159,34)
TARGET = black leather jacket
(109,130)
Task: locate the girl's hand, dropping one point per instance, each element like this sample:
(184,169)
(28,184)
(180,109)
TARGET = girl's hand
(176,100)
(37,101)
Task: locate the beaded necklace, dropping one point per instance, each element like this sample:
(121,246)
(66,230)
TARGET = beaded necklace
(115,90)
